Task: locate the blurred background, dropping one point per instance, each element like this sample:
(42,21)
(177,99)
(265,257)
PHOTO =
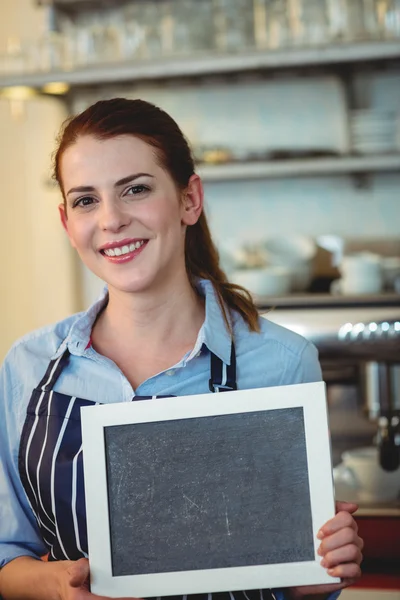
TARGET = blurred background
(292,108)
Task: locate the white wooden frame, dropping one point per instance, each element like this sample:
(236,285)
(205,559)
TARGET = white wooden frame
(311,397)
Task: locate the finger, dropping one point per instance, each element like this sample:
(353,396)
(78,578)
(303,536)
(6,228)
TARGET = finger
(340,538)
(350,507)
(340,521)
(79,573)
(346,571)
(345,554)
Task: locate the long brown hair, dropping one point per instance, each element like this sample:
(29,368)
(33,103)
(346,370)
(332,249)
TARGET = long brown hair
(110,118)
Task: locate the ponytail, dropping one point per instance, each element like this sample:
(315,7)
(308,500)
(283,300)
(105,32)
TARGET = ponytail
(202,261)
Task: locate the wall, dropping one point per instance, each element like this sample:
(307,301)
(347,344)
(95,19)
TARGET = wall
(36,283)
(36,267)
(21,20)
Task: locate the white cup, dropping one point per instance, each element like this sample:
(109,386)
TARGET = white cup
(361,472)
(361,274)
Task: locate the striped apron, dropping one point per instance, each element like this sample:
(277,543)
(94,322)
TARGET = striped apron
(51,465)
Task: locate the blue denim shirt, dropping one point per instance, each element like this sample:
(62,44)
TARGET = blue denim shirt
(274,356)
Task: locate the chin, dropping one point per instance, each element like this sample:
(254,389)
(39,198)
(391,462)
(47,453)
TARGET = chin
(132,286)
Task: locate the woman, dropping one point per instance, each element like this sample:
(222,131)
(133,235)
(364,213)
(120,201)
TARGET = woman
(168,324)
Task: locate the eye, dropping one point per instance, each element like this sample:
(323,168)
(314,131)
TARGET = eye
(85,201)
(135,190)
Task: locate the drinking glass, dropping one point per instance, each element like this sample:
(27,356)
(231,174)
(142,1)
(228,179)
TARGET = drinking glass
(278,24)
(233,25)
(309,22)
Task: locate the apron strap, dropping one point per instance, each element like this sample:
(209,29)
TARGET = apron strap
(53,372)
(223,377)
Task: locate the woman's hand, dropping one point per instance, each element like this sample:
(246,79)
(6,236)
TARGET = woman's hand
(340,550)
(74,582)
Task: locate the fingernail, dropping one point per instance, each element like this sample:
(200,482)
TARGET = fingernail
(331,572)
(319,551)
(323,563)
(320,534)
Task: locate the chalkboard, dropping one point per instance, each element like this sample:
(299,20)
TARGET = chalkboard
(209,492)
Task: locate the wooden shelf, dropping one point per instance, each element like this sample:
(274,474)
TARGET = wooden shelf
(210,64)
(299,167)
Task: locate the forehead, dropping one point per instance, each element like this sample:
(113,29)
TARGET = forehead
(91,160)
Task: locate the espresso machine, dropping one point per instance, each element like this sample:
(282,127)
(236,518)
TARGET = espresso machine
(376,348)
(359,350)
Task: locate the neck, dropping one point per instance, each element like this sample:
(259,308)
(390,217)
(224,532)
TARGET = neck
(171,314)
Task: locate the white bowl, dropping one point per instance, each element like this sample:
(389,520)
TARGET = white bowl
(295,253)
(268,281)
(361,472)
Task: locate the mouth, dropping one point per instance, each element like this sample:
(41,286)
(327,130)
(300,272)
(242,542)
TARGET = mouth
(124,250)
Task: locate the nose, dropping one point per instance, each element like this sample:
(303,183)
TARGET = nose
(112,216)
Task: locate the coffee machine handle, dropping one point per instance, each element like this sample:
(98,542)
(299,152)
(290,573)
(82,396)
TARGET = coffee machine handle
(389,452)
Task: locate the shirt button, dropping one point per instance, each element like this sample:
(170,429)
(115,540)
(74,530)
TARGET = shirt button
(170,372)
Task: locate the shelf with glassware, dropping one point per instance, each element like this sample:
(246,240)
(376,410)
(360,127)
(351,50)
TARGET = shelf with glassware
(269,169)
(205,64)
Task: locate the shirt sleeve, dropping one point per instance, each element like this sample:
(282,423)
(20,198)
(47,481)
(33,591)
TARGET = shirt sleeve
(19,533)
(307,369)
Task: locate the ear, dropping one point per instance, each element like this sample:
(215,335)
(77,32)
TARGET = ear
(64,221)
(193,200)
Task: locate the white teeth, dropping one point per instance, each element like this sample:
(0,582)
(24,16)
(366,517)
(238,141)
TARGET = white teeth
(124,250)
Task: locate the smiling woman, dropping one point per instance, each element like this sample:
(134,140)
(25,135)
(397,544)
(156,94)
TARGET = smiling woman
(169,323)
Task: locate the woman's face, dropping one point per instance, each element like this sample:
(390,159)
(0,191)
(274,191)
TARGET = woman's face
(124,214)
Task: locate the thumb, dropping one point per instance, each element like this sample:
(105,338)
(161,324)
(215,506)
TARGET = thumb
(349,507)
(79,573)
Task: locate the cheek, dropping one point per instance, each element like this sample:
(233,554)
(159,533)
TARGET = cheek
(164,215)
(79,233)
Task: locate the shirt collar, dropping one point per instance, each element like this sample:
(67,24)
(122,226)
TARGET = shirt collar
(81,329)
(214,333)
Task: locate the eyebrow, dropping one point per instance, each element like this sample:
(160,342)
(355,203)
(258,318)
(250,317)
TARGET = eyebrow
(123,181)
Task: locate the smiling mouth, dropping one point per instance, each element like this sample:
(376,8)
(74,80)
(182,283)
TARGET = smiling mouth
(122,250)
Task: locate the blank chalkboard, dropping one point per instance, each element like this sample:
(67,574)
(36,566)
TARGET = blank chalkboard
(208,492)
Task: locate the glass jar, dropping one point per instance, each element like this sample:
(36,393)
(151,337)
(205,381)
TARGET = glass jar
(233,25)
(279,32)
(192,26)
(51,52)
(308,21)
(146,17)
(260,16)
(355,20)
(371,23)
(390,17)
(132,32)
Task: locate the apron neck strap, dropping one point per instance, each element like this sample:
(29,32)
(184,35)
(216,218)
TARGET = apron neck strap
(53,371)
(223,377)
